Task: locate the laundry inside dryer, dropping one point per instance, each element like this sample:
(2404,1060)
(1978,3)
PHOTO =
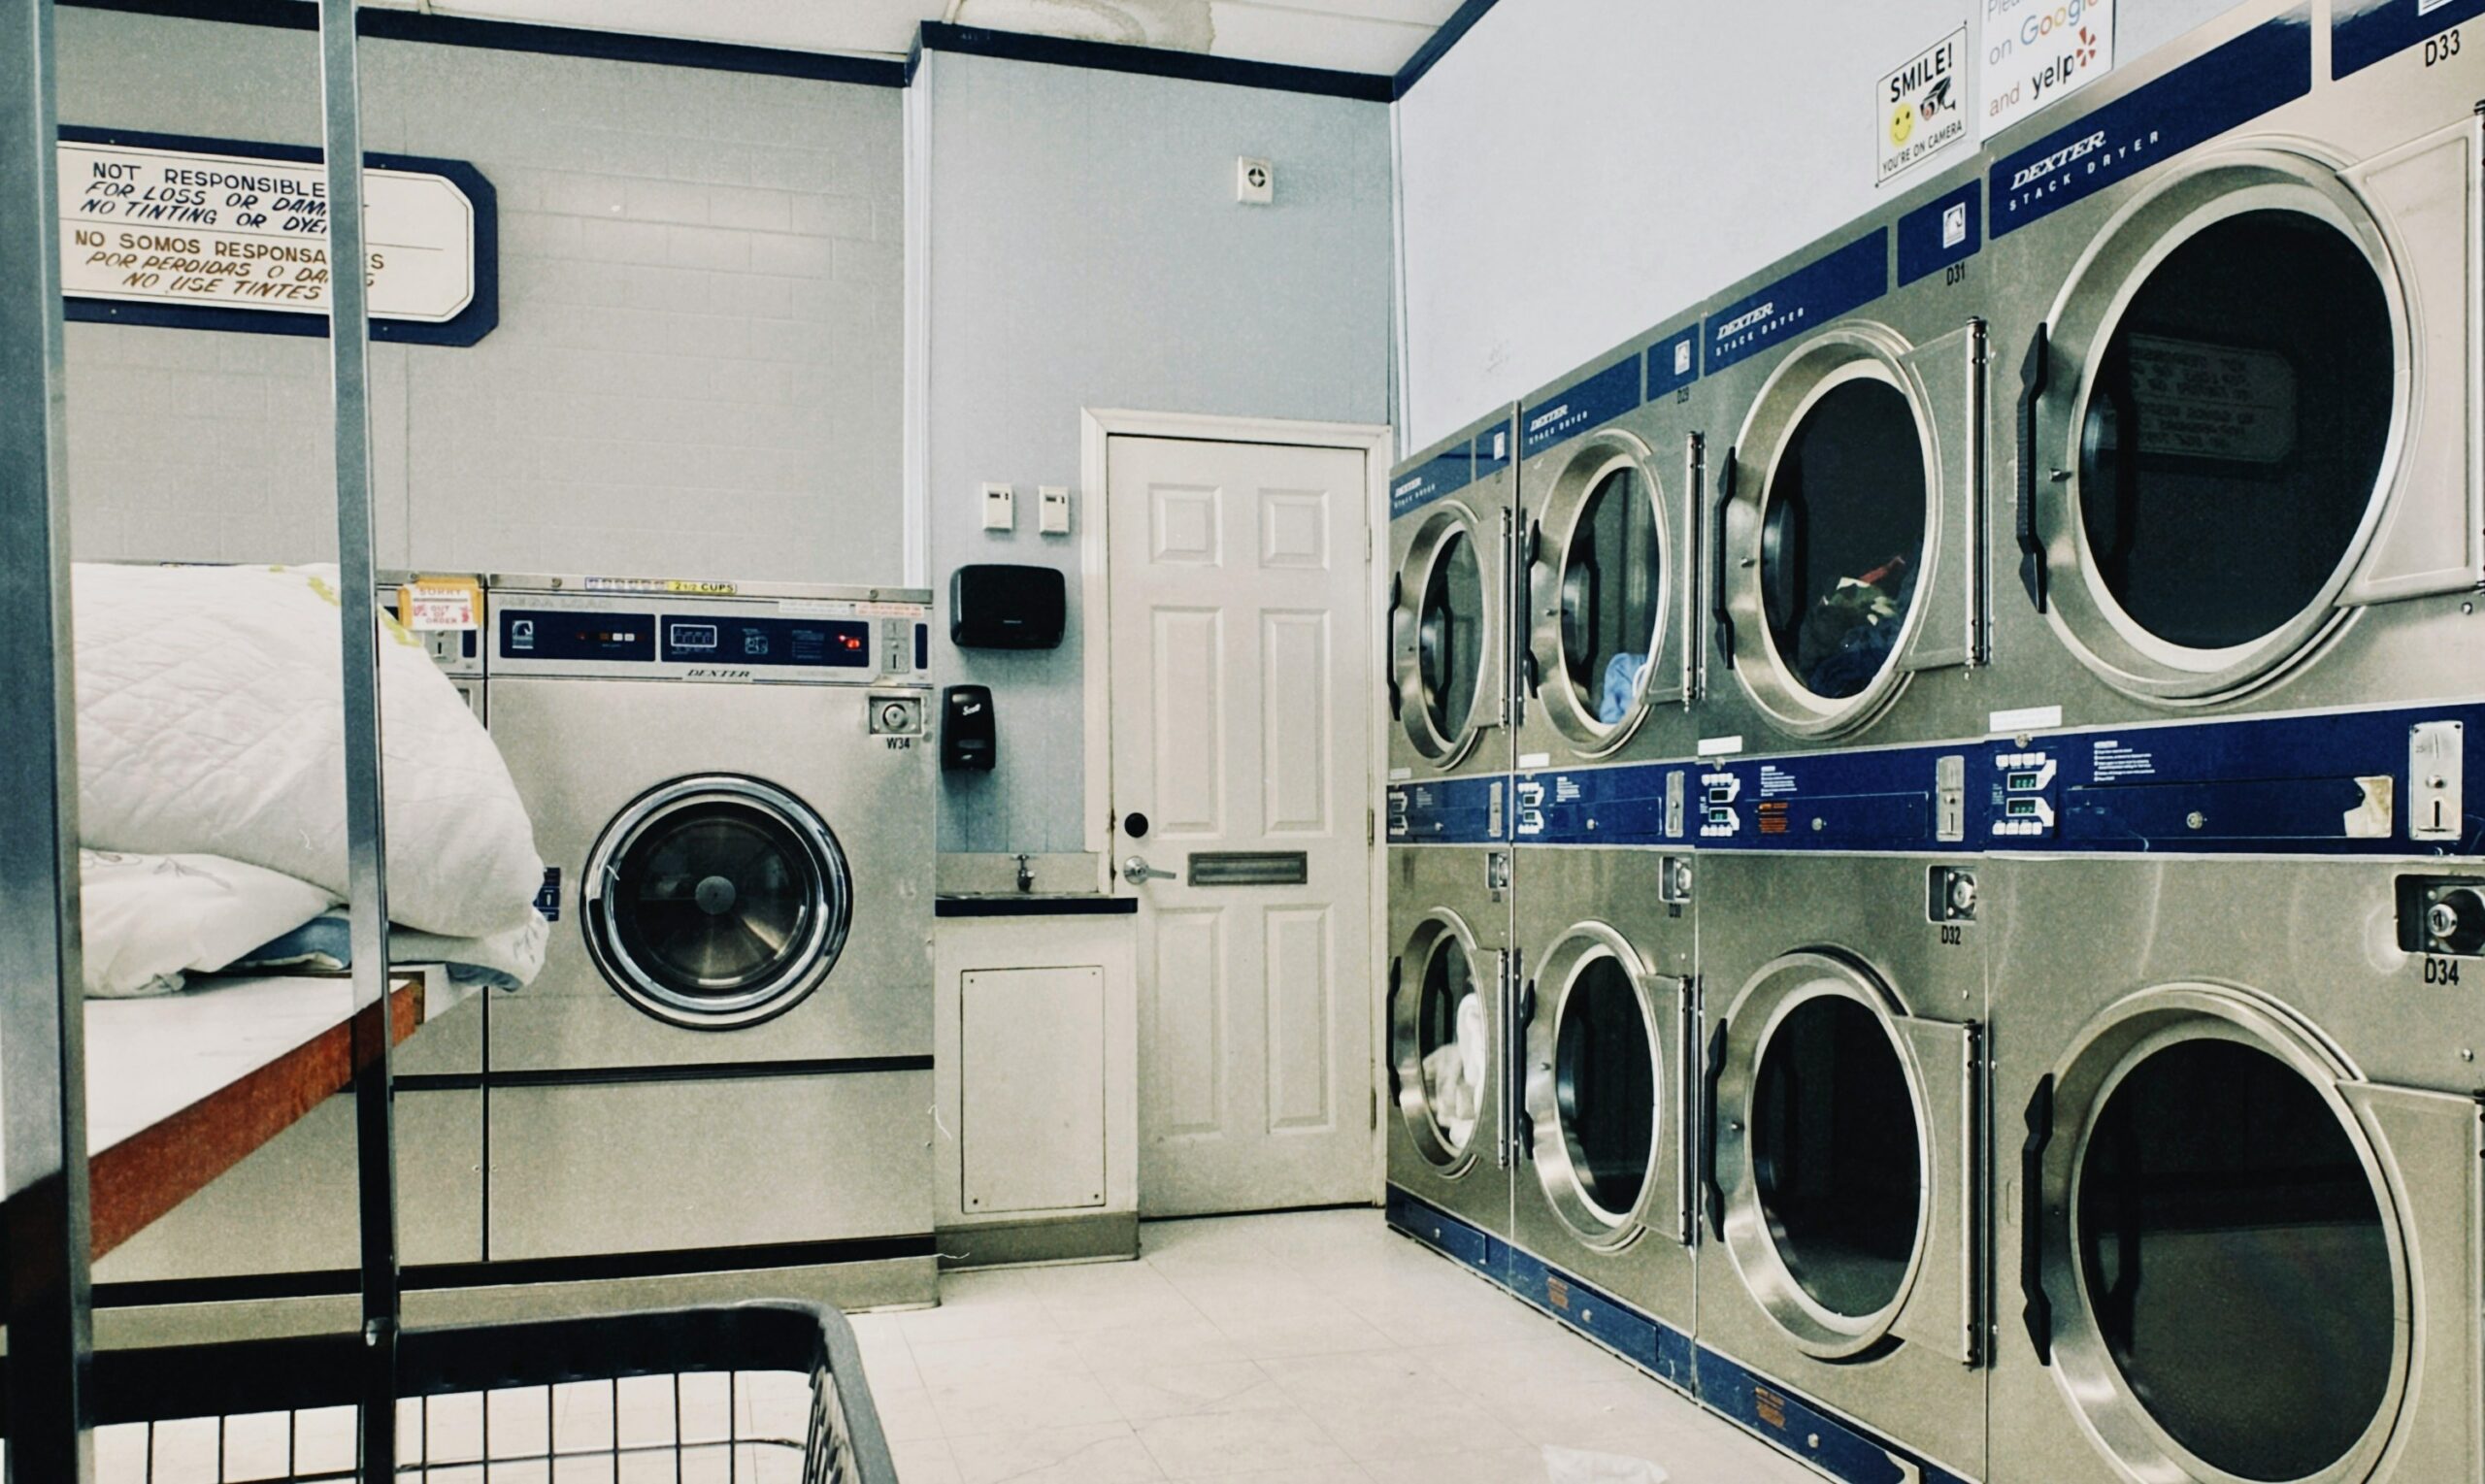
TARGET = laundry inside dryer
(1843,536)
(1612,592)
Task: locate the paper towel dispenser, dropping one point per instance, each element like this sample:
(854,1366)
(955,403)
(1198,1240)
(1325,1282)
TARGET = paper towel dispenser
(995,605)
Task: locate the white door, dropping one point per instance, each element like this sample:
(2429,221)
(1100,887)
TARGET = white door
(1243,640)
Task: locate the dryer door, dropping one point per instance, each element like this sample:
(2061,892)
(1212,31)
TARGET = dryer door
(1446,629)
(1606,1104)
(717,902)
(1607,639)
(1446,998)
(1849,513)
(1845,1161)
(2243,1263)
(2253,409)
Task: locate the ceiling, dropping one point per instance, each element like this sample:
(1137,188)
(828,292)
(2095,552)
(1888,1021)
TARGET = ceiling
(1374,36)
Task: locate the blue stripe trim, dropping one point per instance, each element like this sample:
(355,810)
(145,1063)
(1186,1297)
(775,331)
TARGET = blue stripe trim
(477,321)
(2363,32)
(540,40)
(1436,46)
(1154,61)
(1786,1418)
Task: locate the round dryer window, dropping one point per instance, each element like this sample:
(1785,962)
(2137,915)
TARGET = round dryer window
(1613,593)
(2234,1259)
(717,902)
(1450,636)
(1842,530)
(1593,1088)
(2235,424)
(1836,1154)
(1440,1043)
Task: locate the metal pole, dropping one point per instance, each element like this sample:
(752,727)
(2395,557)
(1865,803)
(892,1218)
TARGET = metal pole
(43,1045)
(348,347)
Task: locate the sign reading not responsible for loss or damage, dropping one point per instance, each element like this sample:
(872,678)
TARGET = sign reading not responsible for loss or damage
(1923,106)
(2038,50)
(181,229)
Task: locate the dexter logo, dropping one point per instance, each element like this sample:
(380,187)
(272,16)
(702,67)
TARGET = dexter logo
(1411,485)
(2030,174)
(1742,322)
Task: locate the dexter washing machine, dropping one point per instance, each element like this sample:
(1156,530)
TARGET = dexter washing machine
(2237,317)
(1844,400)
(1448,1006)
(1605,1032)
(729,1047)
(1448,685)
(2240,1100)
(1842,1188)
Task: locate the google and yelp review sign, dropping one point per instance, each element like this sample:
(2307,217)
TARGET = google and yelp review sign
(2038,50)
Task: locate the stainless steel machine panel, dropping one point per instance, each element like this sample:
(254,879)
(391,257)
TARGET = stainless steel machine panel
(1608,542)
(1447,1013)
(1844,411)
(2241,1103)
(1844,1196)
(793,778)
(1607,1034)
(660,1166)
(1449,648)
(2242,346)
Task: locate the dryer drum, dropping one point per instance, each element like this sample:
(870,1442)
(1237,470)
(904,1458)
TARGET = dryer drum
(717,901)
(1594,1089)
(1439,1034)
(1842,535)
(1598,583)
(1441,638)
(1449,637)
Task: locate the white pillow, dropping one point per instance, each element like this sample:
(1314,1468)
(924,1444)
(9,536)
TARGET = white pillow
(148,918)
(210,720)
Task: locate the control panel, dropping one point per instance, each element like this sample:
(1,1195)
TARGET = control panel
(709,639)
(1449,811)
(1635,804)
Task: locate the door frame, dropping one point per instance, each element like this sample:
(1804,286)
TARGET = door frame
(1376,443)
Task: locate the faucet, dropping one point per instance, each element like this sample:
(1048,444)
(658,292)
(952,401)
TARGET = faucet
(1026,875)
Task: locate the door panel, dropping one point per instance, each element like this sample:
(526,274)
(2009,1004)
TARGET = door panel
(1241,660)
(1940,1309)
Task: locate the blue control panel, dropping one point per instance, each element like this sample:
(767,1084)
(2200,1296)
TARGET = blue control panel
(1450,811)
(1633,803)
(1888,798)
(739,640)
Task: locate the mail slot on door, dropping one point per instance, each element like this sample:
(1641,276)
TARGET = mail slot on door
(1250,868)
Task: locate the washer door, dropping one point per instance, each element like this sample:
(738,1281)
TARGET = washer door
(1847,514)
(1602,640)
(2237,428)
(717,902)
(1444,998)
(1445,636)
(1604,1091)
(2219,1242)
(1843,1159)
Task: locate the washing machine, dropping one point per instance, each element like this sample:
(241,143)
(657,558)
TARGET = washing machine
(729,1049)
(1609,651)
(2236,1104)
(1842,1179)
(1449,1003)
(1844,399)
(1449,687)
(2236,331)
(1605,1032)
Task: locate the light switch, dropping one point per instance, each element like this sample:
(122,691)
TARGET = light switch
(1000,507)
(1053,509)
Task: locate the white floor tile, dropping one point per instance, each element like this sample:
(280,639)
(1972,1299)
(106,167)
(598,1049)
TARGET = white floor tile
(1211,1444)
(1096,1453)
(1147,1392)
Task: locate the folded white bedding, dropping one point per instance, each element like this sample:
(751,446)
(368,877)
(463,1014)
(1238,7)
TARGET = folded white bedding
(148,918)
(505,960)
(209,719)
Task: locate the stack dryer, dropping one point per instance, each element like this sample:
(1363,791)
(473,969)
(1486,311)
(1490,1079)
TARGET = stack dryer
(1842,400)
(1841,1179)
(2240,1097)
(1449,864)
(1607,652)
(725,1064)
(2235,309)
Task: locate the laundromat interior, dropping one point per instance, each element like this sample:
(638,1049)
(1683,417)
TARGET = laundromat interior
(1522,742)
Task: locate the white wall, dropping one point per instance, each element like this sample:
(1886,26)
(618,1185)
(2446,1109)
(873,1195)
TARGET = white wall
(1085,249)
(697,370)
(1576,171)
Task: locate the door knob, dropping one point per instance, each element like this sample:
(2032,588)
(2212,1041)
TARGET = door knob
(1138,873)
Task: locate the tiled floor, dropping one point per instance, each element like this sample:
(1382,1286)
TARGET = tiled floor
(1306,1348)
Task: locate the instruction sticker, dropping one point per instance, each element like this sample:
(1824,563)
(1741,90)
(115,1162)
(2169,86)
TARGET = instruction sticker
(1922,107)
(2204,400)
(441,603)
(2036,51)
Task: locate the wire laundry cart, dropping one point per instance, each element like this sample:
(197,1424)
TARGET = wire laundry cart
(759,1393)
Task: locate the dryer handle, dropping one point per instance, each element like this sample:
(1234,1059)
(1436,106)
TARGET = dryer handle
(2034,375)
(1720,612)
(2036,1309)
(1712,1195)
(1524,638)
(1390,682)
(1517,1003)
(1389,1017)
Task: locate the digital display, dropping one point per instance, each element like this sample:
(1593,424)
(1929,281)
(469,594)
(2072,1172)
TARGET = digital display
(1719,793)
(693,636)
(2024,782)
(2021,809)
(1721,816)
(554,634)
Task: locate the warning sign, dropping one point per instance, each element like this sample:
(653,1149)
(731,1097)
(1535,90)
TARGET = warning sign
(1923,106)
(2204,400)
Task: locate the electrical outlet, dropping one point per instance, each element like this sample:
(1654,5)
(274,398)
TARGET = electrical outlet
(1000,507)
(1256,182)
(1053,509)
